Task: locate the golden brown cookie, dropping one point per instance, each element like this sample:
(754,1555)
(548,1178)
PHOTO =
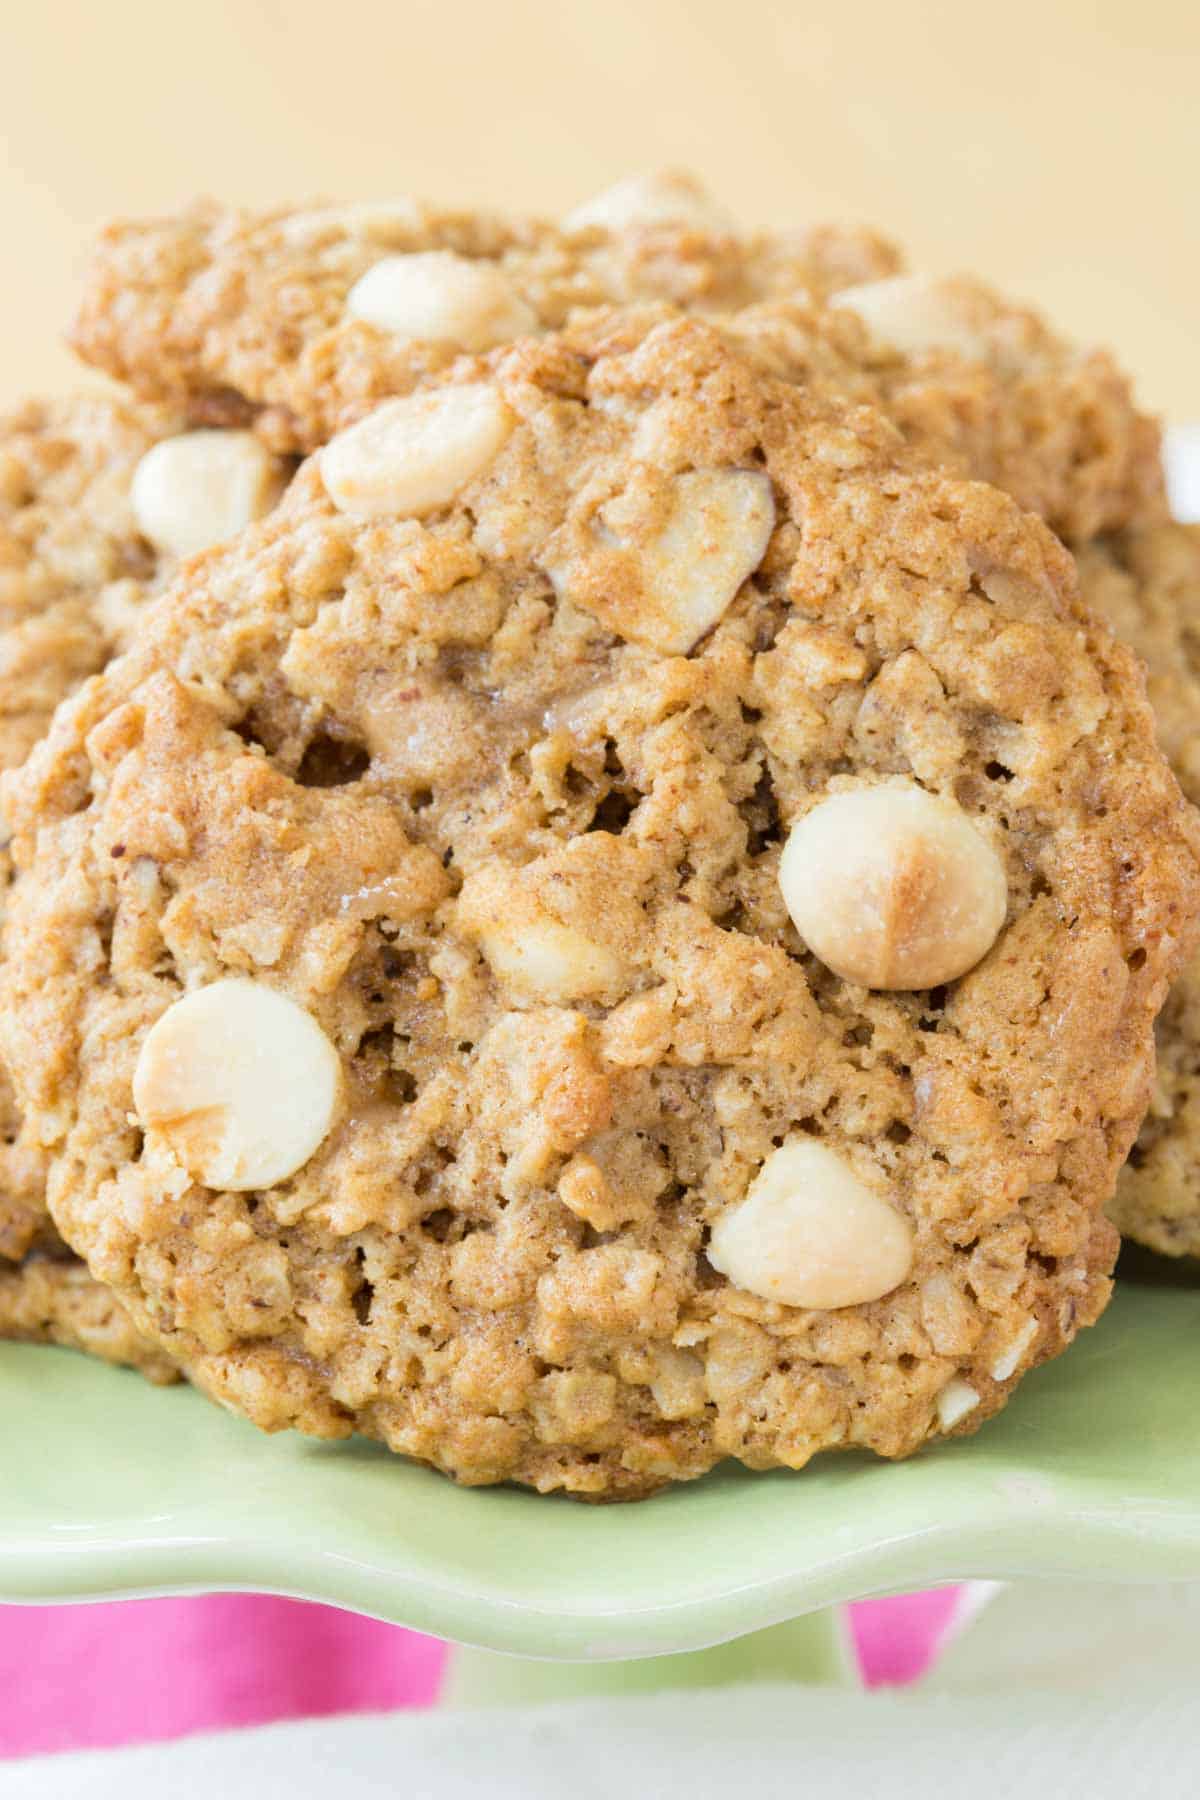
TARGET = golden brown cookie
(300,321)
(97,498)
(983,384)
(1147,585)
(403,970)
(280,316)
(73,565)
(52,1299)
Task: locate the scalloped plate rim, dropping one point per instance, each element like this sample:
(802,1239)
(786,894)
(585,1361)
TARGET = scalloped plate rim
(1011,1509)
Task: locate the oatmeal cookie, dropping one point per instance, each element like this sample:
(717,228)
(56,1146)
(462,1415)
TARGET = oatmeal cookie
(299,321)
(73,564)
(303,318)
(620,928)
(51,1299)
(98,498)
(1147,585)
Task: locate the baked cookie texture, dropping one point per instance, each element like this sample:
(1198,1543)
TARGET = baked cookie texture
(490,800)
(73,569)
(85,539)
(246,315)
(1147,585)
(73,564)
(300,321)
(51,1299)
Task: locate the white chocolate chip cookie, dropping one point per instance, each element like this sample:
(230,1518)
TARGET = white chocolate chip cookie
(1147,585)
(341,308)
(98,499)
(51,1299)
(401,973)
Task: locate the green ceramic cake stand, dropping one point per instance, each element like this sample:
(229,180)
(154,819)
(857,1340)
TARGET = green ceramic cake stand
(110,1488)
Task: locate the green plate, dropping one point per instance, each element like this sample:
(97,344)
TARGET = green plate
(110,1488)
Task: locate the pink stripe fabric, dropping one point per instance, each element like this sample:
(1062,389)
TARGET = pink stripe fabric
(898,1639)
(139,1671)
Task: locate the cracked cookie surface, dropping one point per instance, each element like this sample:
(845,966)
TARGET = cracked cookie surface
(496,797)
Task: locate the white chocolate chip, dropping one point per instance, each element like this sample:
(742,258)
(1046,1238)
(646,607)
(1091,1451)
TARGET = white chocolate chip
(955,1401)
(893,887)
(529,950)
(413,455)
(1006,1363)
(663,198)
(198,489)
(682,580)
(437,296)
(810,1232)
(914,313)
(716,537)
(239,1082)
(551,962)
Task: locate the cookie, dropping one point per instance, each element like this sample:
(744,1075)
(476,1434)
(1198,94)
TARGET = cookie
(986,386)
(25,1225)
(98,498)
(619,928)
(298,322)
(53,1300)
(74,566)
(1147,585)
(71,565)
(305,317)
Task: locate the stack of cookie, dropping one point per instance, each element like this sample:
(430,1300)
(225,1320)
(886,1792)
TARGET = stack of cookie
(590,886)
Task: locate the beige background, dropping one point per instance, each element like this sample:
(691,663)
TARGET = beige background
(1052,144)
